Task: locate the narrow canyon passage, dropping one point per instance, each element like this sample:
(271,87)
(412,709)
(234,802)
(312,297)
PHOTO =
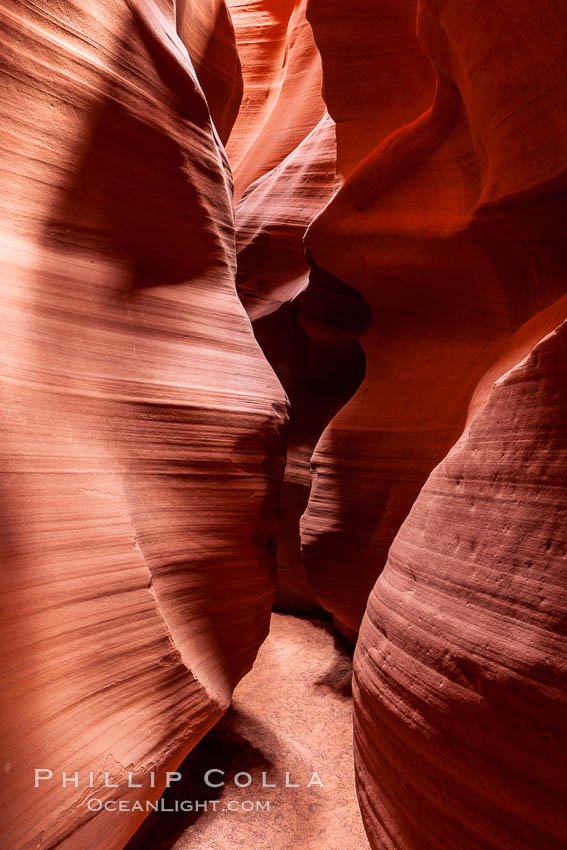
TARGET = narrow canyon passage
(284,328)
(292,714)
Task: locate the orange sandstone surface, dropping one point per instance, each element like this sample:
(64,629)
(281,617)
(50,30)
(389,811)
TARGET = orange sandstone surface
(141,426)
(283,316)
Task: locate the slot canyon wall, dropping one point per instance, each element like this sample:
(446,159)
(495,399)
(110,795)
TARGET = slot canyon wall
(142,428)
(284,308)
(450,223)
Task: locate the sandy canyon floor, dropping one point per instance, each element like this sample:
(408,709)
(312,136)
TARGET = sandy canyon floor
(291,714)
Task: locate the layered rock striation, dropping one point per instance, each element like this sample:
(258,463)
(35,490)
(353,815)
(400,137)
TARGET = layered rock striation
(380,293)
(142,448)
(460,666)
(449,224)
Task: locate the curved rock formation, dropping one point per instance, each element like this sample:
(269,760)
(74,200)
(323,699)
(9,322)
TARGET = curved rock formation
(451,227)
(301,330)
(460,719)
(437,227)
(420,346)
(292,320)
(141,425)
(206,29)
(282,86)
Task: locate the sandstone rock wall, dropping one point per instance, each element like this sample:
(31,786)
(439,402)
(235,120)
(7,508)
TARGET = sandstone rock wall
(166,340)
(449,224)
(460,666)
(141,426)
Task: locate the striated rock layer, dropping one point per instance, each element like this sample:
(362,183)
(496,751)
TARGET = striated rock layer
(420,343)
(285,168)
(297,322)
(282,86)
(206,29)
(449,224)
(460,702)
(140,423)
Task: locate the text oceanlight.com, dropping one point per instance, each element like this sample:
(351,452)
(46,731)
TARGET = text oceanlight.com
(96,805)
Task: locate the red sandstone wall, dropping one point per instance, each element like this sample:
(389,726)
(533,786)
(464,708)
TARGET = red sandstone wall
(140,423)
(450,223)
(460,665)
(449,227)
(419,343)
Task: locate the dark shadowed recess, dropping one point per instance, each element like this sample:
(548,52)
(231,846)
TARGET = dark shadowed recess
(223,749)
(312,345)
